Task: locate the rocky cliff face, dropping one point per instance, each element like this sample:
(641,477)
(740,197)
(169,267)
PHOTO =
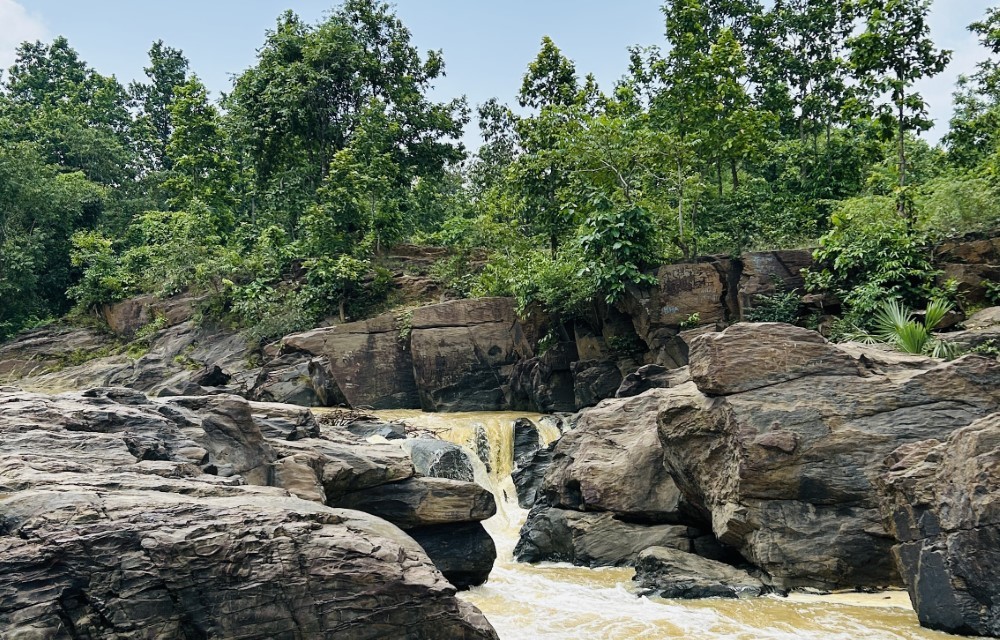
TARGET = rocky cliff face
(773,448)
(452,356)
(941,502)
(208,517)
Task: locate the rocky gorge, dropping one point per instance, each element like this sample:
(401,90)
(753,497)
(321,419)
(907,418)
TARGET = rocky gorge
(187,489)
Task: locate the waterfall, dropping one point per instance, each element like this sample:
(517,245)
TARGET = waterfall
(558,601)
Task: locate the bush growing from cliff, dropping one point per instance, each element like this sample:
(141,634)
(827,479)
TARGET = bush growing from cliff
(872,254)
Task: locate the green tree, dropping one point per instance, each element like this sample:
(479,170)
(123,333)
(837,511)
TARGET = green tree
(311,89)
(552,89)
(40,209)
(79,118)
(892,53)
(196,150)
(167,70)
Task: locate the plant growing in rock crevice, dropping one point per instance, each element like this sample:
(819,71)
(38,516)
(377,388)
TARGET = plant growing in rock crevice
(896,325)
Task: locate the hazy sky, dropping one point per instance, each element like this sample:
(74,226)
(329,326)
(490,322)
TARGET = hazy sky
(487,43)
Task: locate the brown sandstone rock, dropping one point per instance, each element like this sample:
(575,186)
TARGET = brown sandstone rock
(109,525)
(613,461)
(752,355)
(368,360)
(672,573)
(592,539)
(464,352)
(419,502)
(681,290)
(785,472)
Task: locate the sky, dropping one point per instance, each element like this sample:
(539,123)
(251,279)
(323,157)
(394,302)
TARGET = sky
(487,44)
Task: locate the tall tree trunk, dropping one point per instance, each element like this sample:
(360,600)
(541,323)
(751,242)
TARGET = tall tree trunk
(901,205)
(718,171)
(680,201)
(735,173)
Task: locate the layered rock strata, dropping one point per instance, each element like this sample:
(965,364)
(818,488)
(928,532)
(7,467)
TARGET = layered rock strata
(126,517)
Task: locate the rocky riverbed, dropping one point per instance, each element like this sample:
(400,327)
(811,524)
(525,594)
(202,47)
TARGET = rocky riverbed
(770,461)
(209,517)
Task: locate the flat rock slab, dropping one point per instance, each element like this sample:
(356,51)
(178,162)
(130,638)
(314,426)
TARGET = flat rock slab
(140,565)
(419,502)
(753,355)
(671,573)
(130,518)
(592,539)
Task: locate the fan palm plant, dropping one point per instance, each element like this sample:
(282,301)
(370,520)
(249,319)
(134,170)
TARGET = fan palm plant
(896,325)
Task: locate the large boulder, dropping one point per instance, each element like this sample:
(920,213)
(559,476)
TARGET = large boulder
(419,502)
(155,564)
(110,527)
(613,461)
(368,360)
(592,539)
(444,516)
(464,352)
(970,280)
(463,552)
(439,459)
(671,573)
(125,318)
(784,464)
(941,501)
(773,448)
(750,356)
(297,378)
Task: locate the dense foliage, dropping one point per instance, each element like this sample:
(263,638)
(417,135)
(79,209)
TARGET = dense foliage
(756,125)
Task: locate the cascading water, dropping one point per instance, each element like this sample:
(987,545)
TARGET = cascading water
(557,600)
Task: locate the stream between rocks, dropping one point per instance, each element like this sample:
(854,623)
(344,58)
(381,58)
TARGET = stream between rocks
(559,600)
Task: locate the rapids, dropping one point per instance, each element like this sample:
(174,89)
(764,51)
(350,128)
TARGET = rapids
(561,601)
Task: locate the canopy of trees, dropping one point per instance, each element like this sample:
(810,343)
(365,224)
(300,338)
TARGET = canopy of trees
(793,123)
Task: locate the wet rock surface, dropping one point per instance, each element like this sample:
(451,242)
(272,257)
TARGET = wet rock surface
(941,501)
(592,539)
(672,573)
(438,459)
(529,475)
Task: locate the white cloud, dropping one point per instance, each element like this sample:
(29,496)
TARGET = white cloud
(16,26)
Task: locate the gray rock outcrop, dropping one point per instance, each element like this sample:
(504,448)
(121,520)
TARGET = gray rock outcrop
(774,448)
(941,501)
(592,539)
(672,573)
(111,525)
